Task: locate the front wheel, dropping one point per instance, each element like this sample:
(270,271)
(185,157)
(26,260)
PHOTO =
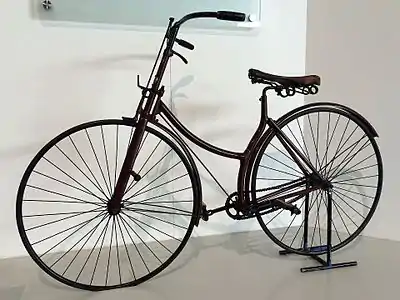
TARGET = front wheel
(62,213)
(339,145)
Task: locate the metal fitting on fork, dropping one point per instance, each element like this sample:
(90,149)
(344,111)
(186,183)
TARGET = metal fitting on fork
(135,175)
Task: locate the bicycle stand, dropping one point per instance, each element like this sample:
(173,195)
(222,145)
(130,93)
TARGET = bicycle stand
(324,264)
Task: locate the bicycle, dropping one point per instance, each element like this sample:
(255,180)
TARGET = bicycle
(117,195)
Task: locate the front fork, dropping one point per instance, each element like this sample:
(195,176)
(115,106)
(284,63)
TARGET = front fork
(114,203)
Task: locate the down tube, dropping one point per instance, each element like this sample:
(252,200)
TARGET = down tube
(194,139)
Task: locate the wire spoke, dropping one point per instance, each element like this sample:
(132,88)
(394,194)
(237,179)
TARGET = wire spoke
(109,249)
(117,248)
(98,186)
(360,162)
(140,192)
(344,195)
(333,201)
(156,164)
(134,220)
(98,162)
(333,223)
(350,206)
(302,223)
(144,243)
(340,216)
(60,232)
(167,207)
(339,146)
(93,248)
(96,210)
(155,218)
(116,156)
(157,211)
(290,224)
(101,248)
(356,170)
(59,201)
(355,178)
(71,234)
(83,245)
(338,187)
(133,183)
(70,185)
(63,195)
(137,250)
(348,159)
(280,171)
(315,144)
(156,197)
(325,157)
(304,141)
(126,248)
(282,163)
(336,156)
(106,156)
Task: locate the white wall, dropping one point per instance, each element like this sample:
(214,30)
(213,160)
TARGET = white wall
(52,78)
(354,46)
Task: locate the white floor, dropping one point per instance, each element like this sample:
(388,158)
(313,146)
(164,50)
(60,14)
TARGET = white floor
(236,266)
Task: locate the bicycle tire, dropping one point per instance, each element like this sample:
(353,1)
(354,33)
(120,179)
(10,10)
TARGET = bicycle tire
(267,140)
(174,145)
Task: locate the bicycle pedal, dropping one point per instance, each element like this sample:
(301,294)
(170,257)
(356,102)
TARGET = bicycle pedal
(204,212)
(295,211)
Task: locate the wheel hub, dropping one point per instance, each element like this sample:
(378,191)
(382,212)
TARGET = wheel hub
(319,181)
(114,209)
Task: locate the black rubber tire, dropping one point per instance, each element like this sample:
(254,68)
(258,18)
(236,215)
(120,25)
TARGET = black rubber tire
(121,122)
(268,138)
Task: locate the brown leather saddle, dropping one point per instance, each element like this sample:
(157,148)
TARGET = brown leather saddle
(258,76)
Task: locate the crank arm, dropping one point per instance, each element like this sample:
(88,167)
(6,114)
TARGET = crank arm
(287,206)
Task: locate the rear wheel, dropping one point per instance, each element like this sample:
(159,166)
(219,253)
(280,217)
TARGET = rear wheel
(344,151)
(62,213)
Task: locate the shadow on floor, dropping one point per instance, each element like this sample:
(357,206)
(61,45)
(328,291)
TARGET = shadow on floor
(231,266)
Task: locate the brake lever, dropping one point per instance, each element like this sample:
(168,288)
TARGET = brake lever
(180,56)
(185,44)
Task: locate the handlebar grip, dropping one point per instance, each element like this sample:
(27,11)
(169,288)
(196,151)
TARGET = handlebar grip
(231,16)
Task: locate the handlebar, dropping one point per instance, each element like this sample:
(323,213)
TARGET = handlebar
(231,16)
(220,15)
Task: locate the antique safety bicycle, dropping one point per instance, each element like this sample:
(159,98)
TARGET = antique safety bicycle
(111,203)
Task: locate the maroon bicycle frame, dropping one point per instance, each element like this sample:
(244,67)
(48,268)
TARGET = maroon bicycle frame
(151,105)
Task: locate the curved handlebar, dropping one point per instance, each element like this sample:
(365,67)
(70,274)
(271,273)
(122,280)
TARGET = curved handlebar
(220,15)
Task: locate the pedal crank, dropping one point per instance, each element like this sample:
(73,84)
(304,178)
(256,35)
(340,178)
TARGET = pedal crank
(294,210)
(273,205)
(205,213)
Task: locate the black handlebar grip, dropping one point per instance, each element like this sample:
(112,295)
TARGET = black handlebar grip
(231,16)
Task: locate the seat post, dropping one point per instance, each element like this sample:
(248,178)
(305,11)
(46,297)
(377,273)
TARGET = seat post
(264,102)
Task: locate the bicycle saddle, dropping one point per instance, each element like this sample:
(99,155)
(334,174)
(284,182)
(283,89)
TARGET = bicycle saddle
(258,76)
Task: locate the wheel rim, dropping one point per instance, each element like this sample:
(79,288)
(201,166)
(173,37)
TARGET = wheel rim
(80,243)
(346,155)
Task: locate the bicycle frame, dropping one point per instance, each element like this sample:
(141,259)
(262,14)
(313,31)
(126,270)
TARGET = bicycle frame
(151,105)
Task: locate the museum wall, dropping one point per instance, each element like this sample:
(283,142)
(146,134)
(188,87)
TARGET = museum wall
(354,46)
(54,77)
